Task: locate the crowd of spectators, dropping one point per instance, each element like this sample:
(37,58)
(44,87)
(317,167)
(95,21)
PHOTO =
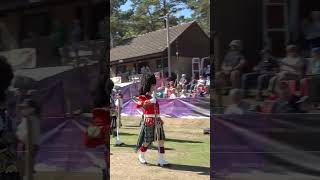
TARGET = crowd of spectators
(290,82)
(183,88)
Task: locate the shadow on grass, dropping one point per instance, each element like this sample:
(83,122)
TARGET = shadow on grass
(198,169)
(134,146)
(127,134)
(131,126)
(182,141)
(125,146)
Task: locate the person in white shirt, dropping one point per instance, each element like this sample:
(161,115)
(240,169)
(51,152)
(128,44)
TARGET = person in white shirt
(201,81)
(291,67)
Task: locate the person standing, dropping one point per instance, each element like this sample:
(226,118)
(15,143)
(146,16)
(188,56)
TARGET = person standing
(97,133)
(75,38)
(8,141)
(152,126)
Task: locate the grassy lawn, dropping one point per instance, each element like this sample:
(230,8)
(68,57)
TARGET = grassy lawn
(187,149)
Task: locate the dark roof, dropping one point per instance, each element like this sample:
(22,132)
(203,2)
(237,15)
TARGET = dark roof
(149,43)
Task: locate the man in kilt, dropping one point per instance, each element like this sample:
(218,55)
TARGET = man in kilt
(152,126)
(97,133)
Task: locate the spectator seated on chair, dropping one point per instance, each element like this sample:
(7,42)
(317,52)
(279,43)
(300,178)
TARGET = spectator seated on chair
(312,82)
(292,67)
(238,105)
(173,94)
(201,81)
(286,101)
(232,66)
(191,86)
(201,90)
(160,92)
(263,72)
(183,81)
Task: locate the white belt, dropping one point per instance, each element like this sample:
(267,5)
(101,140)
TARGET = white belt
(151,115)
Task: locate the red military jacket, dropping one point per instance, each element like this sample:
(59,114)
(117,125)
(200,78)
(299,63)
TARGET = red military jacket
(150,111)
(101,118)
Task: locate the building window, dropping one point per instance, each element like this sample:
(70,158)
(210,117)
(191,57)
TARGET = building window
(121,69)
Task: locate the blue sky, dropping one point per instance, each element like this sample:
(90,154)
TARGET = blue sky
(186,12)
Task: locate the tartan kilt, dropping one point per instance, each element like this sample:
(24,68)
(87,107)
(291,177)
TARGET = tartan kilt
(148,135)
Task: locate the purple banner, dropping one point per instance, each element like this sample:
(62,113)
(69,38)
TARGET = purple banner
(189,107)
(62,148)
(248,145)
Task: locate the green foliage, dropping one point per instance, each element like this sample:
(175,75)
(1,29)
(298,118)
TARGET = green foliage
(201,9)
(146,16)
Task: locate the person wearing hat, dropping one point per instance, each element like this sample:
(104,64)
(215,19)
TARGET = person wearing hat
(310,84)
(232,65)
(262,73)
(292,67)
(152,126)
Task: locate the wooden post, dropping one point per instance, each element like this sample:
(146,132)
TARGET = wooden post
(29,152)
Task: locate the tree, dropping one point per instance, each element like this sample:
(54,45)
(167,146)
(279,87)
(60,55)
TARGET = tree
(145,16)
(118,22)
(201,13)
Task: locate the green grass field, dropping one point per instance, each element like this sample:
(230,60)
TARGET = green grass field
(187,149)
